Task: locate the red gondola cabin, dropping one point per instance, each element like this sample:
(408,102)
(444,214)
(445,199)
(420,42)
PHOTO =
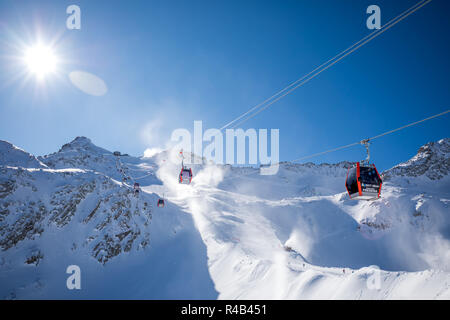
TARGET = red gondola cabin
(185,176)
(363,182)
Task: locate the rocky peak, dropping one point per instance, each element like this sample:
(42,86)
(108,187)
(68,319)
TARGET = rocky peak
(432,160)
(79,153)
(77,143)
(82,144)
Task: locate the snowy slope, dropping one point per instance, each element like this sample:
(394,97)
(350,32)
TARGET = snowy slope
(53,218)
(231,234)
(10,155)
(297,235)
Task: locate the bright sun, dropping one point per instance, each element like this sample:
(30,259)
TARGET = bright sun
(41,60)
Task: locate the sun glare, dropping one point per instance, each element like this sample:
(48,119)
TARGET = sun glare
(40,60)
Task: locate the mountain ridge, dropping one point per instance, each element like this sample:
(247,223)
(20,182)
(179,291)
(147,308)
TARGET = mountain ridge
(238,235)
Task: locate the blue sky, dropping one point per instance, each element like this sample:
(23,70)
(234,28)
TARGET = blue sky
(168,63)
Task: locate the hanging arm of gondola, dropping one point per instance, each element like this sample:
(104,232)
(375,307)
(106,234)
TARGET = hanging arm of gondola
(366,143)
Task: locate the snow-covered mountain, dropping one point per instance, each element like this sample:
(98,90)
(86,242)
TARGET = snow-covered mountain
(231,234)
(10,155)
(431,161)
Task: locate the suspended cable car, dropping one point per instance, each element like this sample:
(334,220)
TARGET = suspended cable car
(363,180)
(160,203)
(136,188)
(185,176)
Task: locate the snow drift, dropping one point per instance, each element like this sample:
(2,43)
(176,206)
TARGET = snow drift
(231,234)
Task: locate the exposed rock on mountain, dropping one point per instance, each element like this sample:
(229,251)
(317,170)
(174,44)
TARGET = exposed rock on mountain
(432,160)
(232,233)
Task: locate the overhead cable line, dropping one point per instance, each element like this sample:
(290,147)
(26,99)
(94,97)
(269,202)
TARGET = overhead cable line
(372,138)
(361,142)
(298,83)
